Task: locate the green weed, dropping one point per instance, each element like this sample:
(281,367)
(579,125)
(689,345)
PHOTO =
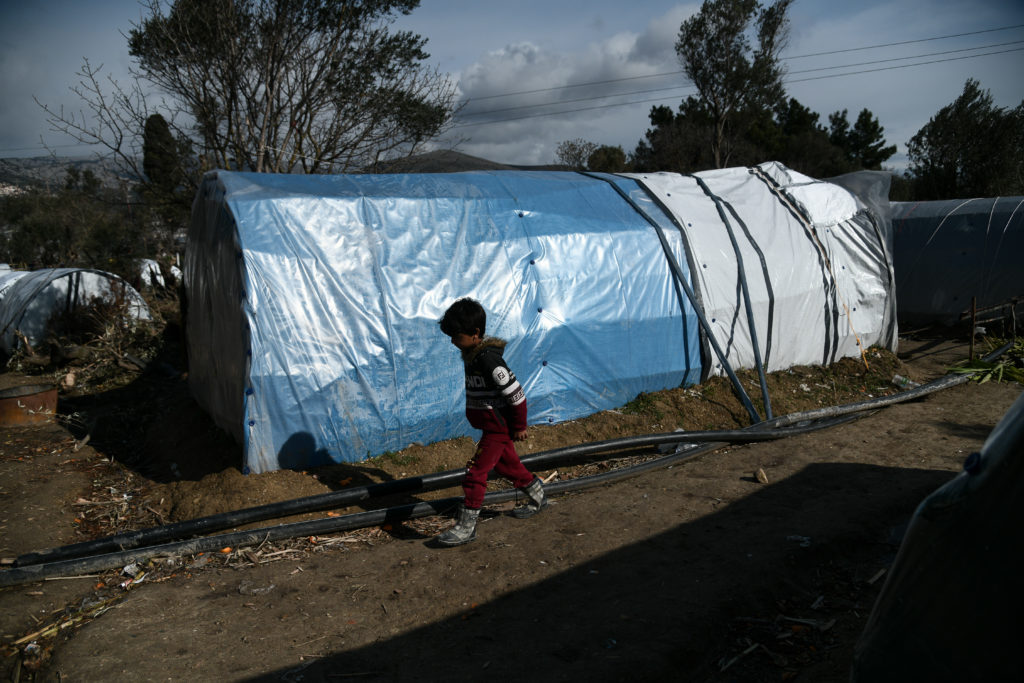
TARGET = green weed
(643,404)
(1007,368)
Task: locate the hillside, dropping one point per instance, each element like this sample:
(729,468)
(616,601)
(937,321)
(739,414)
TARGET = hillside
(46,171)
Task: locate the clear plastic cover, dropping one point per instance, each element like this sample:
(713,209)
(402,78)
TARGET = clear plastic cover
(28,299)
(952,251)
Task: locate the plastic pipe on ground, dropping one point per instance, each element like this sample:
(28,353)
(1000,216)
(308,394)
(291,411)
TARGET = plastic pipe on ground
(70,567)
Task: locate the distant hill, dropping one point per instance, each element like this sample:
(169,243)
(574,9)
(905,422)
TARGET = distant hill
(450,161)
(51,171)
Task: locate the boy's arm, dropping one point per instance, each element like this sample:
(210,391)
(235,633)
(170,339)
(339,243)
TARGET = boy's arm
(505,381)
(516,399)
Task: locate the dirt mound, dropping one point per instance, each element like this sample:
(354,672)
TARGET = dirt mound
(713,405)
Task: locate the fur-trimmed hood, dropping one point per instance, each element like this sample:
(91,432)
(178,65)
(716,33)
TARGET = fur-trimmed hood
(487,342)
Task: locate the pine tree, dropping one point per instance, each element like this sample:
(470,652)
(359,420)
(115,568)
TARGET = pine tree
(970,148)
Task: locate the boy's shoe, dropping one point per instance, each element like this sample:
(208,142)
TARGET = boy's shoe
(464,530)
(535,500)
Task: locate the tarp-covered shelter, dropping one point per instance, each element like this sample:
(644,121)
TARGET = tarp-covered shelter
(950,252)
(30,298)
(312,301)
(950,608)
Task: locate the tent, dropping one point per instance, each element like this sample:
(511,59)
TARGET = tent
(312,301)
(952,251)
(29,299)
(151,276)
(950,608)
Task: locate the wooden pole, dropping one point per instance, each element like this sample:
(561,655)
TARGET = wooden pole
(974,315)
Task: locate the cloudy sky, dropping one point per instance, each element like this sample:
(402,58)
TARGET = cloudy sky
(536,72)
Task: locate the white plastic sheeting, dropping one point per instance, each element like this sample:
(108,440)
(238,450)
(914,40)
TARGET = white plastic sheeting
(312,301)
(7,279)
(152,276)
(29,299)
(814,260)
(950,251)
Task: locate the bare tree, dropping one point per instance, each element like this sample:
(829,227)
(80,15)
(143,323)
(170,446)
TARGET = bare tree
(314,86)
(575,153)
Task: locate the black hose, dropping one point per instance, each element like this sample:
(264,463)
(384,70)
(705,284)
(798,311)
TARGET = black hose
(349,496)
(400,513)
(226,520)
(680,279)
(741,275)
(945,382)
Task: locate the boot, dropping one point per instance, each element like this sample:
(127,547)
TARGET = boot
(464,530)
(535,500)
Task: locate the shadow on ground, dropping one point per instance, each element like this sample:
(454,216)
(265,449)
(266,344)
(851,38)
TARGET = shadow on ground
(678,605)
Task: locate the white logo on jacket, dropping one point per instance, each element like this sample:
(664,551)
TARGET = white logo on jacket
(500,376)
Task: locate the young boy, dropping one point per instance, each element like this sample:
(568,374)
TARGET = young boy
(496,405)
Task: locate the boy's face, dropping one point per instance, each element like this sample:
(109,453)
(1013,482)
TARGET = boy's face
(465,342)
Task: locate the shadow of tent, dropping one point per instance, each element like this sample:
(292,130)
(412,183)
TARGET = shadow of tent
(658,609)
(952,605)
(151,426)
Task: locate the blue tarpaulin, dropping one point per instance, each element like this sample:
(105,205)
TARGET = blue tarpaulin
(313,301)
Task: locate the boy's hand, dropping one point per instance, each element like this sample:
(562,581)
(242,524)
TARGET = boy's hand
(519,435)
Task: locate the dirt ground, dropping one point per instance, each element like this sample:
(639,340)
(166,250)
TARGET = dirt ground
(704,571)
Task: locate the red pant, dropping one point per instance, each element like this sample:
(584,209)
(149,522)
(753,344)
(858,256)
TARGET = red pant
(494,452)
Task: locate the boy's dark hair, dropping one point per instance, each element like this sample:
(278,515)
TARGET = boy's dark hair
(465,316)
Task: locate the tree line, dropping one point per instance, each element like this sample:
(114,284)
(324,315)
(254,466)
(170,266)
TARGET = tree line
(741,116)
(327,86)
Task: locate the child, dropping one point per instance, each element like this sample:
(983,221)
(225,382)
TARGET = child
(495,404)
